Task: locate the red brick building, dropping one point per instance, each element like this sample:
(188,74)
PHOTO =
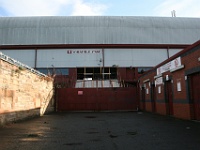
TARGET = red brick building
(173,87)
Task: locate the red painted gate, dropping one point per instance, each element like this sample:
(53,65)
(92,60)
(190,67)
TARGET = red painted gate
(96,99)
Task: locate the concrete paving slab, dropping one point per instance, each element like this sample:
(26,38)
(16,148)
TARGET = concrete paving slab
(101,131)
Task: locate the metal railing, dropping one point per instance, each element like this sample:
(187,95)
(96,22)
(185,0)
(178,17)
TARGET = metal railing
(19,64)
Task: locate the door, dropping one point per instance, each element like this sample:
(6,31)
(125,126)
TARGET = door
(195,95)
(169,98)
(143,98)
(153,96)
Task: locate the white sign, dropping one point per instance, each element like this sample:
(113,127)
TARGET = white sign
(168,66)
(147,91)
(159,81)
(80,92)
(178,86)
(159,89)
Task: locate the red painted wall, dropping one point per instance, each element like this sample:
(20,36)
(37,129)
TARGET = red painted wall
(127,74)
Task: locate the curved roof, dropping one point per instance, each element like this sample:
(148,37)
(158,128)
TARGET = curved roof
(98,30)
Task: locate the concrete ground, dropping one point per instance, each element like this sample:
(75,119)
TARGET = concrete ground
(101,131)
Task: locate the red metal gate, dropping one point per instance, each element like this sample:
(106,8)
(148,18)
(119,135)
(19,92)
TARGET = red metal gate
(96,99)
(195,95)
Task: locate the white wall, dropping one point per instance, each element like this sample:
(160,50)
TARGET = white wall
(173,51)
(71,58)
(25,56)
(134,57)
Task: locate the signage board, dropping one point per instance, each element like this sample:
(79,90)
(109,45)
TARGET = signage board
(170,65)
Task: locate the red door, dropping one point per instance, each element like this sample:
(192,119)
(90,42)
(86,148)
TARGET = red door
(153,96)
(169,98)
(195,96)
(143,92)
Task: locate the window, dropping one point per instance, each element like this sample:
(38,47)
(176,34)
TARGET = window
(56,71)
(96,73)
(141,70)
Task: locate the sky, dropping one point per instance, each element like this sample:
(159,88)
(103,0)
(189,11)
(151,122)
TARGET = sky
(163,8)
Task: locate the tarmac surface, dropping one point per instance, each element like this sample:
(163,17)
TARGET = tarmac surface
(101,131)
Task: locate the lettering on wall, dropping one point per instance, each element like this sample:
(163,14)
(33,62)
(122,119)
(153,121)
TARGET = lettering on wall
(77,51)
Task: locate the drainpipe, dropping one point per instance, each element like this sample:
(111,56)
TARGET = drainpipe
(35,58)
(103,62)
(167,51)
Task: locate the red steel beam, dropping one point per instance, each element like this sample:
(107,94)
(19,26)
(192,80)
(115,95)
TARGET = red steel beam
(76,46)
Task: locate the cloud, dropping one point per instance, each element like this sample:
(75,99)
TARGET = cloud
(32,8)
(50,7)
(88,9)
(184,8)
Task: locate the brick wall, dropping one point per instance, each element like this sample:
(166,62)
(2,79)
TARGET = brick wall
(23,94)
(181,101)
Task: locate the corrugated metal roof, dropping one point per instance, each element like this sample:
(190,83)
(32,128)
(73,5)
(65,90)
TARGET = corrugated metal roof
(98,30)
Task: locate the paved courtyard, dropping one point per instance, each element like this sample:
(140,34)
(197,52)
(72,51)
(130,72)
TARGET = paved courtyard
(101,131)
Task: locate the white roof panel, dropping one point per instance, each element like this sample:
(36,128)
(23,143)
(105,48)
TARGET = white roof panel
(98,30)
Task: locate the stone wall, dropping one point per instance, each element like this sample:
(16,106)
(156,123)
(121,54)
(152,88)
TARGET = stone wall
(23,94)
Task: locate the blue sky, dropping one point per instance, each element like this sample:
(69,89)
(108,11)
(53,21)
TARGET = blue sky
(183,8)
